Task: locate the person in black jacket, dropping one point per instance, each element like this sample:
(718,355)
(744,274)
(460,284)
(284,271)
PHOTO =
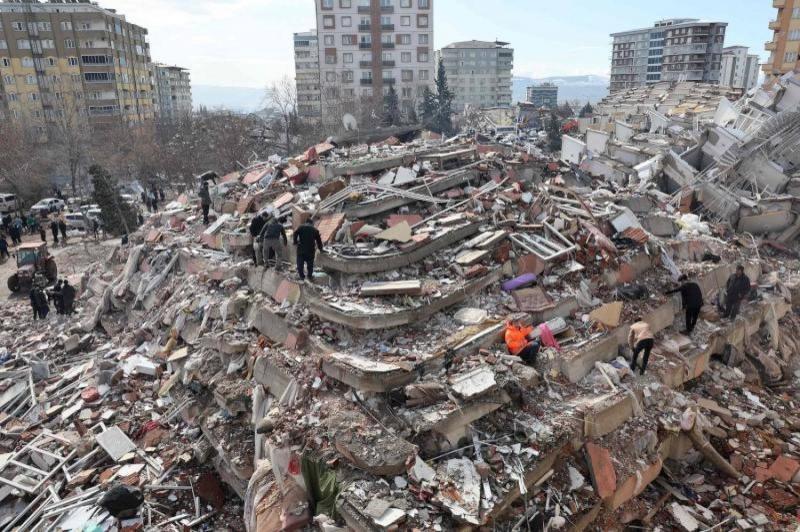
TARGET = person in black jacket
(304,238)
(270,236)
(738,287)
(54,230)
(692,299)
(205,201)
(256,225)
(67,297)
(39,304)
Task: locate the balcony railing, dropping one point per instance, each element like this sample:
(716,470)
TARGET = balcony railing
(366,81)
(770,46)
(387,9)
(365,64)
(364,27)
(365,45)
(387,27)
(363,9)
(389,81)
(774,24)
(778,3)
(387,63)
(387,45)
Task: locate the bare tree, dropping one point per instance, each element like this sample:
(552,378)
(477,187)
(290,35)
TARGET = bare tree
(23,161)
(69,132)
(281,97)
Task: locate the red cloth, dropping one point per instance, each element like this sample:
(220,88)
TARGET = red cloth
(547,337)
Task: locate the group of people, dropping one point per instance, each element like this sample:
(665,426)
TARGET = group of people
(150,198)
(641,339)
(14,227)
(62,295)
(269,240)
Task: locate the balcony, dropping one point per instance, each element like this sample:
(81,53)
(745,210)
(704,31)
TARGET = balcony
(366,81)
(364,10)
(387,27)
(387,63)
(365,45)
(387,9)
(774,24)
(778,3)
(770,46)
(364,27)
(387,45)
(365,64)
(389,81)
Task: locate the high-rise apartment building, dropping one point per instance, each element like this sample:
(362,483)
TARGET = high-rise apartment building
(306,69)
(73,56)
(785,44)
(543,95)
(739,69)
(478,73)
(173,90)
(367,46)
(671,50)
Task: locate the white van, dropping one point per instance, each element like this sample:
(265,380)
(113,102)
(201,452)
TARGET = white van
(8,203)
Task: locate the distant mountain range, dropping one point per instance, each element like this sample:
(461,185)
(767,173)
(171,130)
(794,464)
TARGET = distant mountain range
(583,88)
(246,100)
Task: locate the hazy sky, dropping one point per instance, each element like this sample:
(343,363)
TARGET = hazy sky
(248,43)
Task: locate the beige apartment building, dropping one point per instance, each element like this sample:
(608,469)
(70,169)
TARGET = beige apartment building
(785,44)
(65,56)
(478,73)
(306,69)
(367,46)
(173,91)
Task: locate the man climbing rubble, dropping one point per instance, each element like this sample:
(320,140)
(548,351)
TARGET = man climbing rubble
(304,238)
(640,339)
(205,201)
(518,344)
(256,225)
(692,299)
(737,289)
(271,235)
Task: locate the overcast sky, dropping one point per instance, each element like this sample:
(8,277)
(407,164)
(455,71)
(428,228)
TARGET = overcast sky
(248,43)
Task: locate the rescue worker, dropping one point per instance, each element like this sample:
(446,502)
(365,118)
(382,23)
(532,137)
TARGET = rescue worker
(737,289)
(205,201)
(518,344)
(55,296)
(304,238)
(67,297)
(39,303)
(256,225)
(270,235)
(640,339)
(692,299)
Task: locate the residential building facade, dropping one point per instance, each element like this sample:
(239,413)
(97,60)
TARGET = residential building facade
(543,95)
(367,46)
(173,89)
(478,73)
(62,57)
(785,44)
(739,69)
(671,50)
(306,69)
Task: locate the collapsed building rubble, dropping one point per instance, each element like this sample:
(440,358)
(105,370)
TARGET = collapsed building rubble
(379,394)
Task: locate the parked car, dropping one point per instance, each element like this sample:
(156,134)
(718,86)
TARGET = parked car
(47,205)
(8,203)
(75,220)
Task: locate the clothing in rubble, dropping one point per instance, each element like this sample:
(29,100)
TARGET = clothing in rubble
(692,298)
(305,237)
(517,342)
(640,339)
(271,235)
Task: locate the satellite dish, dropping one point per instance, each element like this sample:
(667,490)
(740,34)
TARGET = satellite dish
(349,122)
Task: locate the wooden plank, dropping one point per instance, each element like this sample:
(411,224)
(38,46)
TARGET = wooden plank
(493,240)
(468,258)
(391,288)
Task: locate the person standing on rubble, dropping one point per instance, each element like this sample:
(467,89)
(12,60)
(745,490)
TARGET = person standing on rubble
(67,297)
(62,226)
(205,201)
(737,289)
(39,303)
(55,296)
(640,339)
(304,238)
(516,337)
(271,235)
(256,225)
(692,299)
(54,230)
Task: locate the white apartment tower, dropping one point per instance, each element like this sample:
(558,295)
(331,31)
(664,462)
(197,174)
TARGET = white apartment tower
(479,73)
(739,69)
(367,46)
(173,89)
(306,68)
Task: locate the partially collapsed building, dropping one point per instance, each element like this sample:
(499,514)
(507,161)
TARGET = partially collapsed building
(380,396)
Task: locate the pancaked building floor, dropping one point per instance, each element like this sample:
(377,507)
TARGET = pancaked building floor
(380,395)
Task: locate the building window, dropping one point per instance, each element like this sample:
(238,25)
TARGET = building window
(329,40)
(66,26)
(345,4)
(348,39)
(51,61)
(48,43)
(405,21)
(422,57)
(424,75)
(790,57)
(424,4)
(347,58)
(405,3)
(18,26)
(45,26)
(422,21)
(69,43)
(328,21)
(347,75)
(3,45)
(27,62)
(407,92)
(404,39)
(30,79)
(327,4)
(407,75)
(330,59)
(424,38)
(387,3)
(330,76)
(34,97)
(8,80)
(794,35)
(796,12)
(405,57)
(347,22)
(23,44)
(12,96)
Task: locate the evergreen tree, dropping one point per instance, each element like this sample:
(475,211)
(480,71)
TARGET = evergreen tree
(412,116)
(118,217)
(428,108)
(444,103)
(554,132)
(587,111)
(391,108)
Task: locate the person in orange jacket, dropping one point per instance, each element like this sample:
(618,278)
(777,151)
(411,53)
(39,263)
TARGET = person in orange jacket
(518,344)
